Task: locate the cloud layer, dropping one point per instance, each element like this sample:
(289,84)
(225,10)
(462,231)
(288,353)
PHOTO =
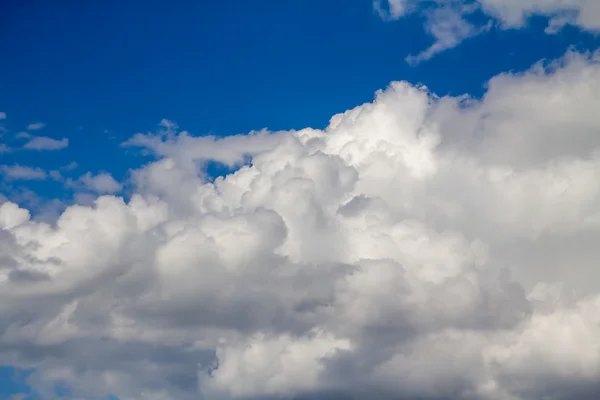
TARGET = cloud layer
(418,247)
(448,23)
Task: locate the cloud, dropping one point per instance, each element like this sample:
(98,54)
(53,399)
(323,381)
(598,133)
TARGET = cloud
(70,166)
(35,126)
(393,9)
(42,143)
(446,20)
(449,27)
(100,183)
(18,172)
(2,115)
(23,135)
(582,13)
(418,247)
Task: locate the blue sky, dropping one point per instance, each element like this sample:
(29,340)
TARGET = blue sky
(97,72)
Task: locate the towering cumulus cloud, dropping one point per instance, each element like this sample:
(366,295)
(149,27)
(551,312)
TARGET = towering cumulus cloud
(417,248)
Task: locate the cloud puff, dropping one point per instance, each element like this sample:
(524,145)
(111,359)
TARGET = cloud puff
(446,20)
(41,143)
(35,126)
(2,115)
(393,9)
(19,172)
(418,247)
(100,183)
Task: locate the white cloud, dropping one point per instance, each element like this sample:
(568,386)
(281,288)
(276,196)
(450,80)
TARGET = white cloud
(35,126)
(418,247)
(2,115)
(446,22)
(393,9)
(449,27)
(70,166)
(41,143)
(583,13)
(100,183)
(19,172)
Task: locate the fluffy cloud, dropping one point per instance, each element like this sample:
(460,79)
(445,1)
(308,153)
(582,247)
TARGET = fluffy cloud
(46,143)
(447,21)
(101,183)
(418,247)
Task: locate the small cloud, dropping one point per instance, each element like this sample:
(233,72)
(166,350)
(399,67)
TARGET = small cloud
(449,28)
(45,143)
(18,172)
(23,135)
(2,115)
(35,126)
(169,125)
(69,167)
(393,9)
(56,175)
(4,148)
(101,183)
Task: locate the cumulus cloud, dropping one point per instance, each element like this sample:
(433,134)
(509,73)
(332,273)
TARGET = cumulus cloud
(101,183)
(41,143)
(418,247)
(447,21)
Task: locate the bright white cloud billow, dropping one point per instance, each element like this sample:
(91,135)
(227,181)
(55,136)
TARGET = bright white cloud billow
(418,247)
(447,23)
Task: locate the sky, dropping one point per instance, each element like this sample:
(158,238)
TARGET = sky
(300,199)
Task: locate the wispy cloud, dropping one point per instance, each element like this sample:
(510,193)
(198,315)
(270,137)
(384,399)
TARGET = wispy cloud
(393,9)
(23,135)
(449,28)
(35,126)
(2,115)
(70,166)
(41,143)
(19,172)
(445,19)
